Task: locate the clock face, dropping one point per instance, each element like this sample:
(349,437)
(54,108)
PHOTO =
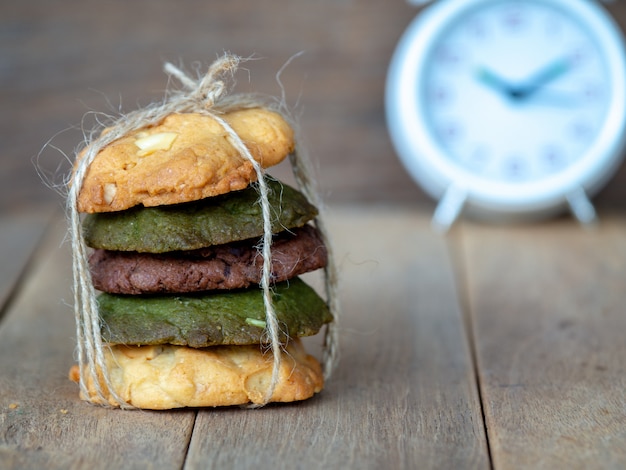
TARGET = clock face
(515,91)
(511,106)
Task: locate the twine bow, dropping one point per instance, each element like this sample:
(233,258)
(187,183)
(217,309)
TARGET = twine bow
(211,86)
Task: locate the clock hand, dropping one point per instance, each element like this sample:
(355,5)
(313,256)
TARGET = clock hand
(555,99)
(549,73)
(492,80)
(520,92)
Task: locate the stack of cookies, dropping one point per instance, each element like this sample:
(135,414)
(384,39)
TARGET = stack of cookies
(174,222)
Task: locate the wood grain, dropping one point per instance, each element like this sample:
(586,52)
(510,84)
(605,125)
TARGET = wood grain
(43,424)
(404,395)
(19,235)
(62,60)
(547,306)
(540,307)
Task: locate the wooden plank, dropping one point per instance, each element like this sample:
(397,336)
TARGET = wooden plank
(404,395)
(43,424)
(337,86)
(547,304)
(50,76)
(19,234)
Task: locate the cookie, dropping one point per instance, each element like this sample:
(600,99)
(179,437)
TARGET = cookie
(232,266)
(235,317)
(184,158)
(165,377)
(212,221)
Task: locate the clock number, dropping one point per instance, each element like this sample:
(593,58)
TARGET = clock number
(447,55)
(580,130)
(553,158)
(513,19)
(514,167)
(579,55)
(554,26)
(450,132)
(592,91)
(440,95)
(476,28)
(477,158)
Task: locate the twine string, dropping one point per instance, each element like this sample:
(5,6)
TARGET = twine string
(303,176)
(266,251)
(89,341)
(206,95)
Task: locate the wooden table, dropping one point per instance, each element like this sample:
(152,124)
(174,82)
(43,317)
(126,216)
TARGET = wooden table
(491,347)
(61,60)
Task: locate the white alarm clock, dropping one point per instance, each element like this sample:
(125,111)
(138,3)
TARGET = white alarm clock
(509,109)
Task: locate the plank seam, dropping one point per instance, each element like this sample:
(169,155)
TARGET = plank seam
(27,267)
(456,249)
(189,438)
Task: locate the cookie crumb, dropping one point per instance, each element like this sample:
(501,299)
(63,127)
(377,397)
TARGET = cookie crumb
(63,411)
(13,406)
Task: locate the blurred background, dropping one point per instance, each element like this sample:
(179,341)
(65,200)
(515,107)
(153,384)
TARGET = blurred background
(61,60)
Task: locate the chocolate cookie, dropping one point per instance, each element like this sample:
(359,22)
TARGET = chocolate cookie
(226,317)
(210,221)
(231,266)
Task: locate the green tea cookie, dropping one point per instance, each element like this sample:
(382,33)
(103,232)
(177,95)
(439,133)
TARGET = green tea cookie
(189,226)
(234,317)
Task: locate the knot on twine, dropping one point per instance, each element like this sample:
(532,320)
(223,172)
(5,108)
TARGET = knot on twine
(208,89)
(204,95)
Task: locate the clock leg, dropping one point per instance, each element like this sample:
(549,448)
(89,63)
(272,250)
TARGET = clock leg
(581,206)
(449,208)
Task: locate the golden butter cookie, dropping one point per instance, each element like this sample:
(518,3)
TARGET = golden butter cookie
(165,377)
(184,158)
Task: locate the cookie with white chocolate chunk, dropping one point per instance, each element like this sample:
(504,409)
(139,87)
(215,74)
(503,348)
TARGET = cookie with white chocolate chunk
(164,377)
(184,158)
